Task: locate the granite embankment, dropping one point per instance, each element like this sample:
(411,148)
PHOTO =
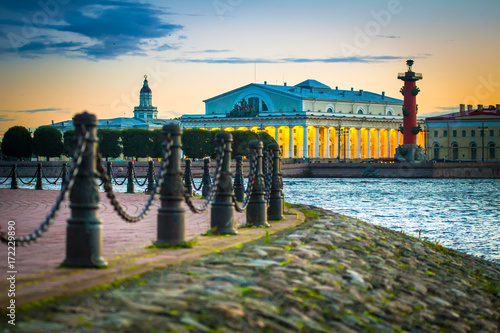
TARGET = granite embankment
(331,273)
(316,169)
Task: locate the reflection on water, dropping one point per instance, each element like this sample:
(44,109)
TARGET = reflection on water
(463,214)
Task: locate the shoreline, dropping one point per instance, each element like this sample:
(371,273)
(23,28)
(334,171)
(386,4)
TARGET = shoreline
(330,273)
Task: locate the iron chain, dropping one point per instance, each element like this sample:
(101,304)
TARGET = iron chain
(108,186)
(8,177)
(248,191)
(135,178)
(44,226)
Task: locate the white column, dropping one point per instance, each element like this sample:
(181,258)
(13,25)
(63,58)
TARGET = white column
(359,143)
(276,133)
(305,143)
(398,138)
(348,143)
(290,142)
(378,143)
(369,141)
(327,143)
(388,143)
(417,139)
(316,143)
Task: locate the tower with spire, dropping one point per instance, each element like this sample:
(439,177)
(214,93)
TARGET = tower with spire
(145,110)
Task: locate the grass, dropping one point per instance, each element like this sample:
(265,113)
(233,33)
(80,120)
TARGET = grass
(189,244)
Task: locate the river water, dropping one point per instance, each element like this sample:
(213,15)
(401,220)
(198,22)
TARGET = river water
(462,214)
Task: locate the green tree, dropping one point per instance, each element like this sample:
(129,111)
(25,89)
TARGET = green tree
(197,143)
(241,139)
(69,142)
(136,142)
(17,142)
(109,143)
(47,141)
(157,138)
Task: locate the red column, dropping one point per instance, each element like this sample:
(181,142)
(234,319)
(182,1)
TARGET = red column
(410,104)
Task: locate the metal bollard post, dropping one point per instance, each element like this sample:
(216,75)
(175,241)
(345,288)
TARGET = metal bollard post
(264,163)
(109,169)
(275,209)
(239,192)
(187,178)
(222,212)
(151,178)
(207,185)
(256,210)
(84,228)
(13,183)
(64,176)
(38,184)
(171,216)
(130,174)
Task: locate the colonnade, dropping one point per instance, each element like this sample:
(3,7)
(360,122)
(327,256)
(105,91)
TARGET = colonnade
(332,142)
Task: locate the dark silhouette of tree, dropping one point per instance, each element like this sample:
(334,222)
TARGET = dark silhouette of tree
(69,142)
(241,139)
(47,141)
(197,143)
(109,143)
(136,142)
(157,137)
(17,142)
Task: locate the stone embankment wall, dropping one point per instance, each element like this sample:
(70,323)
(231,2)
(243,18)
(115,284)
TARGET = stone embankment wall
(301,170)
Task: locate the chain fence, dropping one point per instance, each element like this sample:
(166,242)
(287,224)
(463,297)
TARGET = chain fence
(49,219)
(248,191)
(135,178)
(8,177)
(213,190)
(108,186)
(52,182)
(31,181)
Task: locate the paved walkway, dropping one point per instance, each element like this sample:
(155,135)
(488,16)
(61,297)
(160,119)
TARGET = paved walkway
(124,245)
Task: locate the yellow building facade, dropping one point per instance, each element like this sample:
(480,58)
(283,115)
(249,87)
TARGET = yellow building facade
(468,135)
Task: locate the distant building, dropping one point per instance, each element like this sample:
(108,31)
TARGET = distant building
(468,135)
(145,115)
(310,119)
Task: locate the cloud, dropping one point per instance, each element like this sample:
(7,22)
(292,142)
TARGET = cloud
(447,109)
(58,110)
(6,118)
(239,60)
(388,36)
(93,29)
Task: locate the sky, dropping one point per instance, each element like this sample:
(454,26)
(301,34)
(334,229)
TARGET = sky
(60,57)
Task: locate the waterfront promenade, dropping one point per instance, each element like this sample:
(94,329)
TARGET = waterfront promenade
(124,245)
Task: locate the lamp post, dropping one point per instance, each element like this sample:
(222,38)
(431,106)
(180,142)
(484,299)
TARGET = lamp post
(482,128)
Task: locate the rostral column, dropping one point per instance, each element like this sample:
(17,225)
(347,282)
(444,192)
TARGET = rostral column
(409,151)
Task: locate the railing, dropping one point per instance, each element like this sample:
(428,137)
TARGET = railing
(261,200)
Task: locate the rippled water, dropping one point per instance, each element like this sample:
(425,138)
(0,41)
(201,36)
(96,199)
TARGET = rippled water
(462,214)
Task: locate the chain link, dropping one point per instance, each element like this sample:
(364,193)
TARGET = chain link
(54,182)
(115,181)
(32,179)
(8,177)
(213,189)
(248,191)
(108,186)
(268,178)
(197,188)
(49,219)
(135,178)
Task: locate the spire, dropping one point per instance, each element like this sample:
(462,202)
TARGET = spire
(145,110)
(145,88)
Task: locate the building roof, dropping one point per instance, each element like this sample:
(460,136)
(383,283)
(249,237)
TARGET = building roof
(491,112)
(312,89)
(145,87)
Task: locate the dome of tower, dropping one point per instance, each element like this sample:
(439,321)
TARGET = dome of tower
(145,87)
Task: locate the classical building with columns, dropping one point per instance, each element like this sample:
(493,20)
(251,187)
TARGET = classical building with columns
(310,119)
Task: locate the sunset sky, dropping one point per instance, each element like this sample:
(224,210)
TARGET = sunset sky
(59,57)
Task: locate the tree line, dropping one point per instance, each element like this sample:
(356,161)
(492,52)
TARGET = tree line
(49,142)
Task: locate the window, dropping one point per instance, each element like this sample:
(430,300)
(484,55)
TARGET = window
(389,113)
(491,150)
(473,151)
(436,151)
(454,134)
(330,110)
(264,106)
(445,133)
(473,133)
(464,133)
(254,103)
(454,149)
(492,133)
(435,134)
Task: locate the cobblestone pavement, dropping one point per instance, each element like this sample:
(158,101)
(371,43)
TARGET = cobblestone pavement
(330,274)
(124,245)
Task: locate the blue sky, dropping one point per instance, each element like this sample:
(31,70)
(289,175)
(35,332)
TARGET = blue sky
(62,56)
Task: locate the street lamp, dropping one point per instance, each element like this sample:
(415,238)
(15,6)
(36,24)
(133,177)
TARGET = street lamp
(482,128)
